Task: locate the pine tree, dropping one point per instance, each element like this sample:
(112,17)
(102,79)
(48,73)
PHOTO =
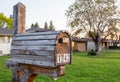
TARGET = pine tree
(32,25)
(46,26)
(51,26)
(36,25)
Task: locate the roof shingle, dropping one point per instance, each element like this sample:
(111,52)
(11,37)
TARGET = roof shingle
(5,31)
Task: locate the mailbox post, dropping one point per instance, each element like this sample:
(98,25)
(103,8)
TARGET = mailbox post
(37,53)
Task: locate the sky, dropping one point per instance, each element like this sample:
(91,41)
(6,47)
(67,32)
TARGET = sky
(40,11)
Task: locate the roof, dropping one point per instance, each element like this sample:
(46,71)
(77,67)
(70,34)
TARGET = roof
(110,40)
(86,39)
(5,31)
(36,29)
(80,39)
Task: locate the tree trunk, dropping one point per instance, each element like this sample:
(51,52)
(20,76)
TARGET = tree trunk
(97,43)
(97,47)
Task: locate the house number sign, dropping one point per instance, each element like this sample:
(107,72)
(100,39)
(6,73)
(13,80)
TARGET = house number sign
(63,58)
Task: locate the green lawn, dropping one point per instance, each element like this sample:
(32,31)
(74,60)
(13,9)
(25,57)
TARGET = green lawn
(104,68)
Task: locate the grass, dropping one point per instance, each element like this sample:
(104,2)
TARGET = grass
(104,68)
(5,74)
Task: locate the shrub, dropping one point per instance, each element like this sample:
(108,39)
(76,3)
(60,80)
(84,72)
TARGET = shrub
(92,53)
(113,47)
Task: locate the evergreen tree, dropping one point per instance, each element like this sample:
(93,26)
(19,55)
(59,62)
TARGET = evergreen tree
(51,26)
(36,25)
(46,26)
(32,25)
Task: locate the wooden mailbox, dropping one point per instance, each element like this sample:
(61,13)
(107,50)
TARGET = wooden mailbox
(38,53)
(46,49)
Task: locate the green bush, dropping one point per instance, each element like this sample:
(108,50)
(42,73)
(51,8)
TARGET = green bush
(92,53)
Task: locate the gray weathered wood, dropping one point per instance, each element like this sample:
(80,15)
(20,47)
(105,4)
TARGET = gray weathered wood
(34,58)
(39,33)
(27,72)
(33,62)
(33,52)
(44,37)
(37,42)
(33,47)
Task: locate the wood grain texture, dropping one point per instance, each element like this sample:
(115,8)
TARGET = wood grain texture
(23,47)
(39,33)
(35,42)
(43,37)
(34,58)
(33,52)
(24,72)
(34,62)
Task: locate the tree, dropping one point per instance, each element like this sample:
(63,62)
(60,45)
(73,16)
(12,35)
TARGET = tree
(9,23)
(114,30)
(51,26)
(32,25)
(36,25)
(46,26)
(5,22)
(92,16)
(2,22)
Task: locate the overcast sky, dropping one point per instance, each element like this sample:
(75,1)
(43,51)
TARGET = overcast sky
(40,11)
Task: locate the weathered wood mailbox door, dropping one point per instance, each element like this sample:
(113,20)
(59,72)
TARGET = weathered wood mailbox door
(38,53)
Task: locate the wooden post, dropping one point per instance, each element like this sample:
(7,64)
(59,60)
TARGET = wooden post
(19,18)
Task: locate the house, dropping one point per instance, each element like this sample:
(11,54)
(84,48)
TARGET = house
(79,44)
(84,44)
(5,41)
(112,40)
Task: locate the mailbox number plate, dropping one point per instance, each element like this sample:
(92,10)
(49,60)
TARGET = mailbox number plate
(63,58)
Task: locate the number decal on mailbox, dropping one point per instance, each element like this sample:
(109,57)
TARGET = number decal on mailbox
(63,58)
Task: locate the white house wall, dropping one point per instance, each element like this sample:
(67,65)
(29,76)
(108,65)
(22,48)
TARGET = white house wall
(90,45)
(5,45)
(5,48)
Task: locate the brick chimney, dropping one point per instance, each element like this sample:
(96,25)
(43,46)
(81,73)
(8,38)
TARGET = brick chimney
(19,17)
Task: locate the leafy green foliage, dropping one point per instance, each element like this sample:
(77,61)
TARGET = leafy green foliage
(5,22)
(2,20)
(84,68)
